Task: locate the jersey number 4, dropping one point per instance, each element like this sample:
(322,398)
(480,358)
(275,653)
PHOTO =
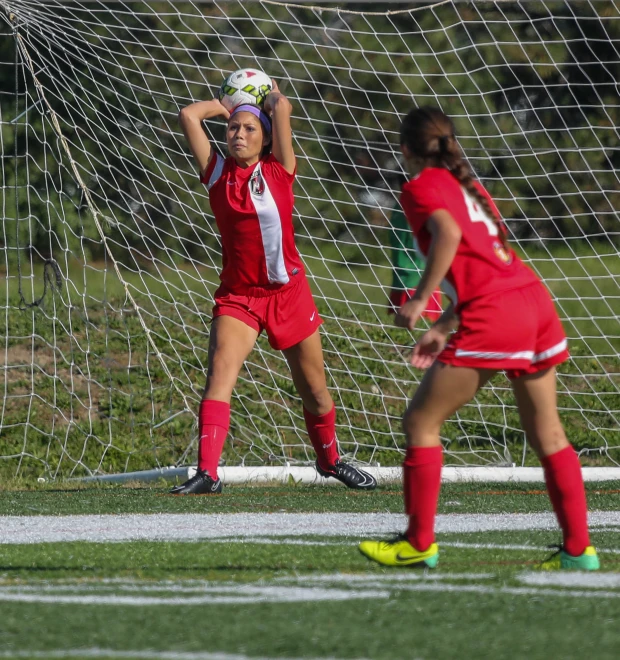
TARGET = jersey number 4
(477,214)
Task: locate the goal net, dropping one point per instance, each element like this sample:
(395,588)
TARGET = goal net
(111,254)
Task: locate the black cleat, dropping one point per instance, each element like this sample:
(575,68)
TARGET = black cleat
(200,484)
(350,476)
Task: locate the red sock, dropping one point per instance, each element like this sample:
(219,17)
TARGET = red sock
(213,423)
(322,432)
(568,497)
(422,481)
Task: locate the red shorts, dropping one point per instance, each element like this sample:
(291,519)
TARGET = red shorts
(288,315)
(399,297)
(516,331)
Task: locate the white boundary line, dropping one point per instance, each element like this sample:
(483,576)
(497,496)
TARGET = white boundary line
(147,655)
(216,595)
(376,586)
(244,526)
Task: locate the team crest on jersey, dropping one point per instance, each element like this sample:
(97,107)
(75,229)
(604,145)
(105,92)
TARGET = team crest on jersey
(502,253)
(257,183)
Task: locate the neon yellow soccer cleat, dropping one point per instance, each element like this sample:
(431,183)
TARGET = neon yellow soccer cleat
(399,552)
(562,561)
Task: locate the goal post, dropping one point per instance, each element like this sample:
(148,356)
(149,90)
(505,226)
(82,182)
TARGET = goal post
(111,254)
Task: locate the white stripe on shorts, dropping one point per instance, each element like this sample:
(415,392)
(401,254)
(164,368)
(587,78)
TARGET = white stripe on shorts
(550,352)
(519,355)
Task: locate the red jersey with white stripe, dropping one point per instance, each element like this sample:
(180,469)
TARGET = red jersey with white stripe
(481,265)
(253,208)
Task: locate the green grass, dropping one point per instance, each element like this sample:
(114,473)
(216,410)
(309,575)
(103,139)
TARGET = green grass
(19,498)
(479,603)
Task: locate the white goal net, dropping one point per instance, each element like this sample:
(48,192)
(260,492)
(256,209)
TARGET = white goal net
(111,255)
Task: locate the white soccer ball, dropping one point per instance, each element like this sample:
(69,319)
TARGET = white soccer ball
(244,86)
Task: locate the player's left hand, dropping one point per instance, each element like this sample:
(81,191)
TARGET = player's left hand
(429,346)
(275,91)
(407,316)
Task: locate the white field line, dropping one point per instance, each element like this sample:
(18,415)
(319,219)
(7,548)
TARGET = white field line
(146,655)
(508,546)
(514,591)
(220,595)
(571,579)
(395,576)
(261,540)
(197,586)
(375,588)
(265,540)
(238,526)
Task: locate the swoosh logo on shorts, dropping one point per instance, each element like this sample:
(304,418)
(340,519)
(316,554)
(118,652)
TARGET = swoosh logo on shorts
(312,317)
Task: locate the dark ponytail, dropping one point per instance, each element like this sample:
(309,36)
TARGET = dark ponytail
(428,133)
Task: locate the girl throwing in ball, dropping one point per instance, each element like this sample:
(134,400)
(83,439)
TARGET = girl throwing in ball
(263,283)
(505,321)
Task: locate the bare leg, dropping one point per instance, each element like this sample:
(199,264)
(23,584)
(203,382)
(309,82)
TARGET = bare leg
(230,343)
(444,389)
(536,396)
(308,372)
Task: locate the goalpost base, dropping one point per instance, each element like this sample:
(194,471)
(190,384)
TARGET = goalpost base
(384,475)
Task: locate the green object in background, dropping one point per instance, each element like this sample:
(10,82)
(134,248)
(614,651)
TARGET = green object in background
(407,265)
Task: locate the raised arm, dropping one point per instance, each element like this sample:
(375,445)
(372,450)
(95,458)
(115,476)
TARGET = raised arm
(280,108)
(191,118)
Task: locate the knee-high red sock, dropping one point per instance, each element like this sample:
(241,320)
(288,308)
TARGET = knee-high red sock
(322,432)
(568,497)
(422,482)
(213,423)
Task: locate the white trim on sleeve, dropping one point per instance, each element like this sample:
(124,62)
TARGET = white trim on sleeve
(217,171)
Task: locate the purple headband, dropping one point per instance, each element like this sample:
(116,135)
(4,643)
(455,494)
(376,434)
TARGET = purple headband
(256,111)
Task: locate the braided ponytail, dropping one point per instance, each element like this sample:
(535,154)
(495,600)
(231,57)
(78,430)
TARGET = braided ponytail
(428,133)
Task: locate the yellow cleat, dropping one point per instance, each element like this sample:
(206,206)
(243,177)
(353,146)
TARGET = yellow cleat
(562,561)
(399,552)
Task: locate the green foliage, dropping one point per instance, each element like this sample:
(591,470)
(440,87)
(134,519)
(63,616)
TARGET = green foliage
(532,88)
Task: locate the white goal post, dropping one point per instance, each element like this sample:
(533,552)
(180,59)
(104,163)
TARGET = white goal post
(111,255)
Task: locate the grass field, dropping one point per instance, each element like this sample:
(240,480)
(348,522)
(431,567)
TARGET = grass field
(273,572)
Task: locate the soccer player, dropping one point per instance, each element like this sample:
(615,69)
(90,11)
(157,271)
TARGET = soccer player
(505,320)
(263,283)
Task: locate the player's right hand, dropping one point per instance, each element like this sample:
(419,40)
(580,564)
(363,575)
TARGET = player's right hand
(429,346)
(223,112)
(409,314)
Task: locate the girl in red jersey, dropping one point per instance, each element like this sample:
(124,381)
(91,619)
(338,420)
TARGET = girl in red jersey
(263,283)
(505,320)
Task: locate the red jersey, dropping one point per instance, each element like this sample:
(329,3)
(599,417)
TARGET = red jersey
(253,209)
(481,264)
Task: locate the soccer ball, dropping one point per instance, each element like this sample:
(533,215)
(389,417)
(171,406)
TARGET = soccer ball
(244,86)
